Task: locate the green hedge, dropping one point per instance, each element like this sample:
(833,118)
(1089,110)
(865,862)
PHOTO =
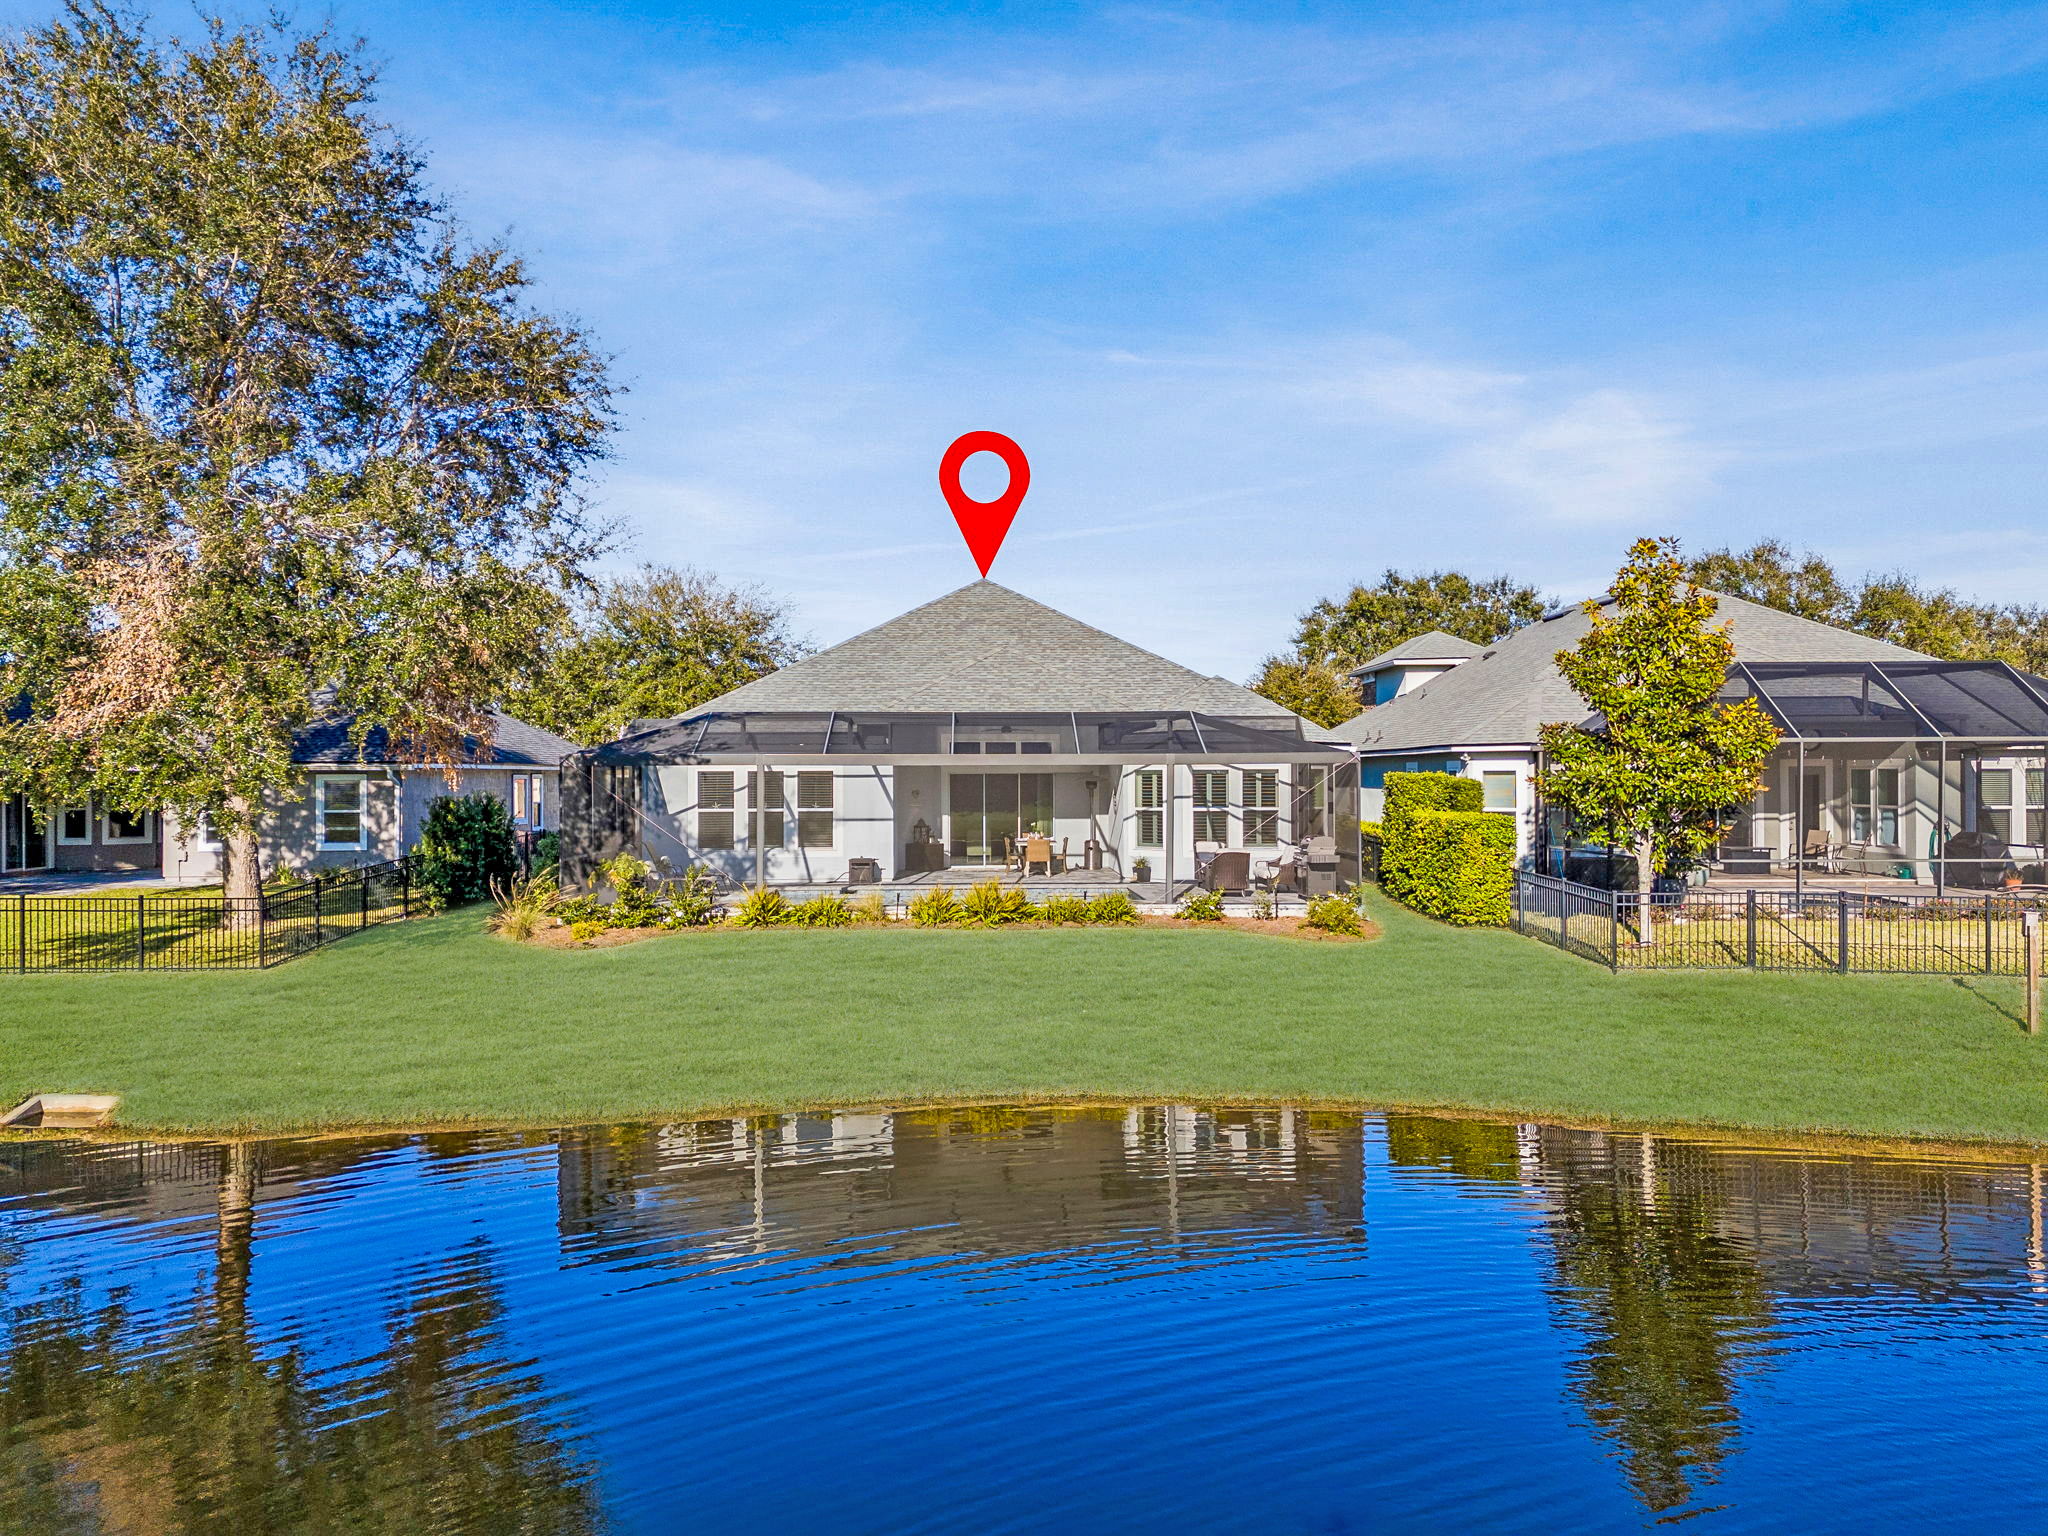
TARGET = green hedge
(1460,865)
(465,848)
(1408,794)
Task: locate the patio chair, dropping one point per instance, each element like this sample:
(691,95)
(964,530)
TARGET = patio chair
(1229,872)
(1038,850)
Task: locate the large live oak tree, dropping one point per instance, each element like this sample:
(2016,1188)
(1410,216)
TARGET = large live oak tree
(276,441)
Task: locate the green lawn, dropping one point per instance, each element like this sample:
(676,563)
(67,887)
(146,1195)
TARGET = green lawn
(435,1022)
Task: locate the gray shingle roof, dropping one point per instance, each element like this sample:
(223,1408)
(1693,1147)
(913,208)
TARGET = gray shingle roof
(1509,693)
(514,744)
(984,648)
(1432,645)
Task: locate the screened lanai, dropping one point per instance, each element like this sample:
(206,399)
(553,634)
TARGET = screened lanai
(1928,771)
(1113,795)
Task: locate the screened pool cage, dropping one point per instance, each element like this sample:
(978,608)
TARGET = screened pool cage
(615,798)
(1930,771)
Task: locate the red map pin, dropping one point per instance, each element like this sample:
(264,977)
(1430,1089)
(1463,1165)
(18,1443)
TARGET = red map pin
(983,523)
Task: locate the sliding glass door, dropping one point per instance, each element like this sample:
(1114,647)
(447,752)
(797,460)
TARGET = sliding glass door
(989,811)
(24,839)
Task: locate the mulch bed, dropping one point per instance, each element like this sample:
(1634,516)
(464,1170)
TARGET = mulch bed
(559,937)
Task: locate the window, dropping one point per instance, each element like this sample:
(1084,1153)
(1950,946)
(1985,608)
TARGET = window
(526,809)
(126,827)
(1261,807)
(1994,802)
(714,809)
(967,748)
(1149,788)
(1500,790)
(1212,805)
(1035,748)
(769,821)
(2037,806)
(340,805)
(74,824)
(814,809)
(1874,806)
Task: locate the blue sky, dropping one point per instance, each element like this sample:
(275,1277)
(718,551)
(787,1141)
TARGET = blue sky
(1274,296)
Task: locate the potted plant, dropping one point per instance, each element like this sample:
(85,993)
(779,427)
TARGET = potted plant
(1141,871)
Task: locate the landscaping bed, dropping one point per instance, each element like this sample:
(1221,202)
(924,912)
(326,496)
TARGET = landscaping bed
(560,935)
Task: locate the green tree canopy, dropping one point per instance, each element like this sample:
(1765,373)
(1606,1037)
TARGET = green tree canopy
(649,645)
(1771,574)
(1310,688)
(1892,607)
(270,427)
(1663,761)
(1345,631)
(1340,633)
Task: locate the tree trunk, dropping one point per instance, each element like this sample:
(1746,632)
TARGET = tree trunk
(1646,887)
(241,870)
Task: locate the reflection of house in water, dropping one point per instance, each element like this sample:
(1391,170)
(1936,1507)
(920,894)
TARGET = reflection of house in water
(1668,1259)
(972,1182)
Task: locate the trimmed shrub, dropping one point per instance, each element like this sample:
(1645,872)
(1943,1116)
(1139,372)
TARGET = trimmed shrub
(761,909)
(1332,914)
(1113,907)
(938,908)
(1063,909)
(546,854)
(1201,907)
(1459,865)
(827,911)
(465,848)
(871,908)
(991,903)
(1408,794)
(635,903)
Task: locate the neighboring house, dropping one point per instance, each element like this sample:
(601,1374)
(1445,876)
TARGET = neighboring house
(935,741)
(1887,755)
(1411,664)
(358,806)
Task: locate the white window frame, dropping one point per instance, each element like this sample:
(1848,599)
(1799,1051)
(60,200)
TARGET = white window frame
(146,835)
(1514,789)
(717,792)
(321,810)
(1260,795)
(1869,810)
(58,828)
(817,794)
(1148,803)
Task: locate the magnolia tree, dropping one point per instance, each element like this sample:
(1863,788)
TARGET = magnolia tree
(275,440)
(1664,760)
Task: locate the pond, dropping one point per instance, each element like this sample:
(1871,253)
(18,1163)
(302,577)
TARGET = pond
(1160,1318)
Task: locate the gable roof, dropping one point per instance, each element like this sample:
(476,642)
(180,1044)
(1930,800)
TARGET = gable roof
(514,744)
(986,649)
(1431,645)
(1506,696)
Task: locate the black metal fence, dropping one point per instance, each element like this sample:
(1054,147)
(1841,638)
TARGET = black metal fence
(1908,932)
(150,931)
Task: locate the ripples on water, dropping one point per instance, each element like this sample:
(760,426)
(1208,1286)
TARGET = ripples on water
(1155,1319)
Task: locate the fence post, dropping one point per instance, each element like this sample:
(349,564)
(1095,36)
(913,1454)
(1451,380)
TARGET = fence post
(363,884)
(1987,936)
(141,931)
(1614,928)
(1749,922)
(1842,931)
(1518,901)
(318,902)
(405,885)
(262,929)
(21,938)
(2030,934)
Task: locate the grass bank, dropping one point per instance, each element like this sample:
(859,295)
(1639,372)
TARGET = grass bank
(435,1022)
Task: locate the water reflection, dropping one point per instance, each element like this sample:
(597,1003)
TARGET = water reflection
(1019,1319)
